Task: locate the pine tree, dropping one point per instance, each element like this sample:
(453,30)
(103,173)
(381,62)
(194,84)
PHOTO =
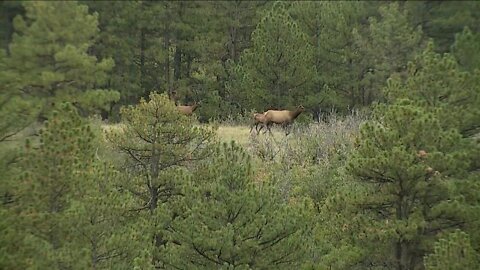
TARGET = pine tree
(15,112)
(69,213)
(386,47)
(329,26)
(409,163)
(228,221)
(8,11)
(466,49)
(159,143)
(119,39)
(437,82)
(50,58)
(158,140)
(15,115)
(445,19)
(278,70)
(453,252)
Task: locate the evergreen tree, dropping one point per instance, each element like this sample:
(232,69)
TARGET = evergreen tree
(119,39)
(230,222)
(453,252)
(466,49)
(401,151)
(158,140)
(279,69)
(8,11)
(437,82)
(386,47)
(50,58)
(159,143)
(69,211)
(16,114)
(229,34)
(409,164)
(443,20)
(329,26)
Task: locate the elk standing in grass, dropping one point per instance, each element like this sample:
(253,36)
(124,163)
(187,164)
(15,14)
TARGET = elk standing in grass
(183,109)
(284,118)
(258,120)
(187,110)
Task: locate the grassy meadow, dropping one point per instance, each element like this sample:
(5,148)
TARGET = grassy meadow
(307,144)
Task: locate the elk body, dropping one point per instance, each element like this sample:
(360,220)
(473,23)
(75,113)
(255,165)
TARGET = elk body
(258,120)
(284,118)
(187,110)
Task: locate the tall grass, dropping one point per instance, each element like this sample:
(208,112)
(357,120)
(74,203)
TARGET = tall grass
(312,143)
(308,144)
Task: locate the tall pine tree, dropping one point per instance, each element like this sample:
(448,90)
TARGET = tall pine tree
(69,211)
(228,221)
(386,47)
(466,49)
(49,55)
(407,161)
(279,69)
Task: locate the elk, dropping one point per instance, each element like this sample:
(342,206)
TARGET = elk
(258,119)
(284,118)
(187,110)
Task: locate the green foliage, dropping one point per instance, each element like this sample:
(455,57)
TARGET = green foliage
(16,113)
(466,49)
(408,193)
(158,141)
(453,252)
(119,40)
(442,20)
(181,46)
(48,56)
(8,11)
(232,222)
(68,211)
(329,28)
(437,83)
(279,67)
(385,48)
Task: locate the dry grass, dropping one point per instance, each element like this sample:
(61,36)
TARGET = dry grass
(241,135)
(314,143)
(226,133)
(107,127)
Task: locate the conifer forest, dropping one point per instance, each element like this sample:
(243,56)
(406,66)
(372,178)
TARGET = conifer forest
(317,135)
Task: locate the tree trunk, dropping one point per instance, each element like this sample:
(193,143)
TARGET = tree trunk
(153,199)
(142,61)
(177,64)
(401,247)
(166,47)
(94,255)
(154,173)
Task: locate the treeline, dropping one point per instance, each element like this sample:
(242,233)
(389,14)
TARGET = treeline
(234,56)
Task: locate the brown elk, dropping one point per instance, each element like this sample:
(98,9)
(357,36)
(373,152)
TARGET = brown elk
(187,110)
(258,120)
(284,118)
